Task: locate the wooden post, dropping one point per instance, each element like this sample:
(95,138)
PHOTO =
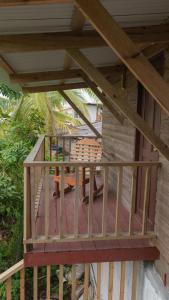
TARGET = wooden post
(122,280)
(86,282)
(35,283)
(146,200)
(134,280)
(8,288)
(48,282)
(105,198)
(76,204)
(61,219)
(133,199)
(111,271)
(119,192)
(22,284)
(90,206)
(98,281)
(73,297)
(27,205)
(47,203)
(61,282)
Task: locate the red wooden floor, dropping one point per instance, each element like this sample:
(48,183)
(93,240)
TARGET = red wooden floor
(87,251)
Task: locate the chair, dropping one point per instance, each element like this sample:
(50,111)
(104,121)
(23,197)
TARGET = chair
(87,150)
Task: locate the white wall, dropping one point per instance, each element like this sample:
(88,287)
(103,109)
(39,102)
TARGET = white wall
(149,284)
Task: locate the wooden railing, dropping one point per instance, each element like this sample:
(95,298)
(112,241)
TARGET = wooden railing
(71,282)
(38,177)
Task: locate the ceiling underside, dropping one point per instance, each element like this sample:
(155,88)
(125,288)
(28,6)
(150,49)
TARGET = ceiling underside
(58,18)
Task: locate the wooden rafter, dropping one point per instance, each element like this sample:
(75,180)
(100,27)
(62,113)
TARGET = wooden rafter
(119,102)
(77,39)
(5,65)
(77,24)
(82,116)
(60,74)
(49,88)
(6,3)
(103,98)
(126,50)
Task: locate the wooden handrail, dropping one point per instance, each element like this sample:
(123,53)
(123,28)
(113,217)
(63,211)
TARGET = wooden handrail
(91,164)
(11,271)
(32,155)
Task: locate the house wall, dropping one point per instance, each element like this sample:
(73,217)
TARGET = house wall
(119,144)
(149,286)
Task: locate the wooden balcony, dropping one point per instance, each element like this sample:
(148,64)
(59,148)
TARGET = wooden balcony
(61,229)
(70,282)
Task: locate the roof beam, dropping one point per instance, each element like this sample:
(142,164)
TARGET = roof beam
(50,88)
(82,116)
(58,75)
(11,43)
(126,50)
(121,103)
(6,3)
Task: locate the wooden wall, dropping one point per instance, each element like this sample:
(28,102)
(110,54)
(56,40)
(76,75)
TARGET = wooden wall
(119,144)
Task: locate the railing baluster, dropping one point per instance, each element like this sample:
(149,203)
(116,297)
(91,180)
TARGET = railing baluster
(8,288)
(86,282)
(61,282)
(119,193)
(111,271)
(63,148)
(73,294)
(122,280)
(50,148)
(134,280)
(146,200)
(76,204)
(27,205)
(33,197)
(22,284)
(35,283)
(48,282)
(61,220)
(98,281)
(133,199)
(90,207)
(46,202)
(105,198)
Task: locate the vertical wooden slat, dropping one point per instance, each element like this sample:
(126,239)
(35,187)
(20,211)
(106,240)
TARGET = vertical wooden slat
(48,282)
(122,280)
(98,281)
(73,294)
(76,204)
(146,198)
(33,196)
(8,288)
(27,205)
(119,192)
(61,219)
(90,207)
(46,202)
(133,199)
(61,282)
(134,280)
(70,143)
(35,283)
(111,271)
(86,282)
(105,197)
(50,148)
(22,284)
(63,148)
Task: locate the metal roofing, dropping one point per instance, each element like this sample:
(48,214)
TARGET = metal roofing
(57,17)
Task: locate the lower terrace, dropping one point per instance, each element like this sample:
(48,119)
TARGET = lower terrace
(88,222)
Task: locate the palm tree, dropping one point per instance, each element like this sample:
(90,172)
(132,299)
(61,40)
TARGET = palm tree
(50,106)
